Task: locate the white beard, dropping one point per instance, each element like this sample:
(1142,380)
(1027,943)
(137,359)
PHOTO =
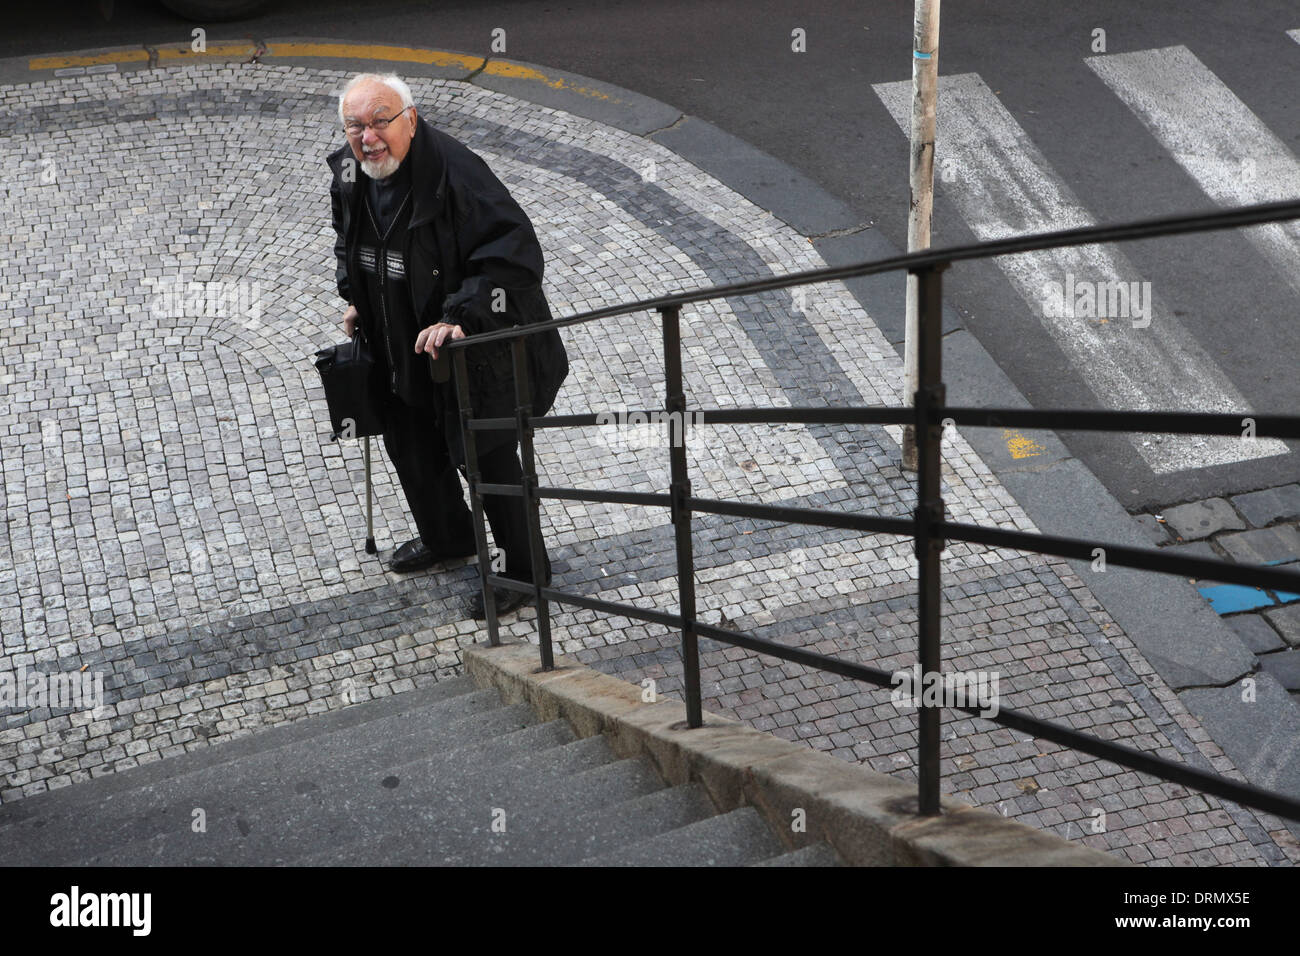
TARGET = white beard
(382,169)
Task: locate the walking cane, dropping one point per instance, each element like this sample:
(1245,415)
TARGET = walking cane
(370,506)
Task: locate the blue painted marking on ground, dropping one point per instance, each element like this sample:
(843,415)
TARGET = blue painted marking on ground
(1283,597)
(1231,598)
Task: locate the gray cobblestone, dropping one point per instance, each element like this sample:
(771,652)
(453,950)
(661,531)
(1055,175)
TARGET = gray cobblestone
(1272,504)
(1200,519)
(1255,631)
(1285,668)
(1264,546)
(1287,621)
(218,601)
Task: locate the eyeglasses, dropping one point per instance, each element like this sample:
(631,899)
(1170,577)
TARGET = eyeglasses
(355,129)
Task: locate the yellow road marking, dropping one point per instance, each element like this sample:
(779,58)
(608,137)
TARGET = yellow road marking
(1020,446)
(218,51)
(515,71)
(375,51)
(372,51)
(94,59)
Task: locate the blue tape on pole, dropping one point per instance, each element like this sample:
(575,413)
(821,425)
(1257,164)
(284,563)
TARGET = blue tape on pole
(920,56)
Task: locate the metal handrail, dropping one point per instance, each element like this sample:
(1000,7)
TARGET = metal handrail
(912,261)
(927,525)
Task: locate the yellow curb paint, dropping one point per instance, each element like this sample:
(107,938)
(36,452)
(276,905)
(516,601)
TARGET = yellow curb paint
(397,54)
(216,52)
(1020,446)
(211,53)
(517,72)
(95,59)
(393,54)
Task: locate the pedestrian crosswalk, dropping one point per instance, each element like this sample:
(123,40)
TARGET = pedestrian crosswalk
(1234,158)
(1128,346)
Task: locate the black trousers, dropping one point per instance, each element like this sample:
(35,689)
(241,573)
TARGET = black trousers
(417,446)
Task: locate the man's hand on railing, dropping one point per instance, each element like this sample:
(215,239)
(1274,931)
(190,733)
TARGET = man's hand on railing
(432,338)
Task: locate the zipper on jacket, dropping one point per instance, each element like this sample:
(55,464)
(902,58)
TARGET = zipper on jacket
(381,274)
(381,267)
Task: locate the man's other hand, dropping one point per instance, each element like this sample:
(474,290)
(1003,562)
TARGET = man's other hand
(350,321)
(431,339)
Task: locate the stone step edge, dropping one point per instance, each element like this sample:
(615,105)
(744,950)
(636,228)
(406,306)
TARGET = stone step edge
(868,818)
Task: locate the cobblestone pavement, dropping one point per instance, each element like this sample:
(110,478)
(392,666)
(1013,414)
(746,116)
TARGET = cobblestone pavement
(1260,527)
(178,522)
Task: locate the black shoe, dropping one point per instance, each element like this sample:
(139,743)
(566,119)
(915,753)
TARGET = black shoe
(507,601)
(415,556)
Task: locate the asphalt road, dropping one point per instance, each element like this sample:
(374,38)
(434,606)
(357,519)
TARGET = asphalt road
(1229,298)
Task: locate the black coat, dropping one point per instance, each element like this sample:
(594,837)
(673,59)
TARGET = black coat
(469,248)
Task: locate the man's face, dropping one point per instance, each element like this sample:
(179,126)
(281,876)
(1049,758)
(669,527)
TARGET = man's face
(380,153)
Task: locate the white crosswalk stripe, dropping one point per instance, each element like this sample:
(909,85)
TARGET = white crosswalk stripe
(1214,136)
(1003,186)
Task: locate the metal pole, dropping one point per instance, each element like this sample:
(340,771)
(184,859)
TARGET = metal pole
(370,505)
(930,398)
(475,499)
(532,505)
(925,95)
(679,491)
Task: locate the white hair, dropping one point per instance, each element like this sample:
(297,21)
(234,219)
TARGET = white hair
(390,80)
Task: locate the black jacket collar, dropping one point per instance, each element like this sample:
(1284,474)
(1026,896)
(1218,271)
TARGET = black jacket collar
(428,174)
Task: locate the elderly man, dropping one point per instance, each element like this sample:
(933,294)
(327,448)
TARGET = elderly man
(432,247)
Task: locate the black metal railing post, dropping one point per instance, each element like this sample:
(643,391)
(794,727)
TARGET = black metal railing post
(470,444)
(927,524)
(929,403)
(532,503)
(679,492)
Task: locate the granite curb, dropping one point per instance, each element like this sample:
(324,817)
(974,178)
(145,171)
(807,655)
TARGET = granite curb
(868,818)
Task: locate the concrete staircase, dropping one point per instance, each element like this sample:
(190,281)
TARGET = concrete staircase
(446,775)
